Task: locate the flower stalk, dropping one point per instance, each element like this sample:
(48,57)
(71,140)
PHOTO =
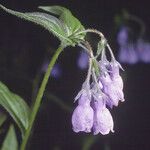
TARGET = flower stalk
(38,100)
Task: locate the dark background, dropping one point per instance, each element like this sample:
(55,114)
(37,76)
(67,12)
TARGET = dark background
(23,48)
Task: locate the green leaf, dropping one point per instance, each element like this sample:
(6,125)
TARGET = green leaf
(73,25)
(3,117)
(10,142)
(47,21)
(67,28)
(15,106)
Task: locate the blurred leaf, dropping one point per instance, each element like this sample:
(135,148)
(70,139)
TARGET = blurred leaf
(15,106)
(65,27)
(3,117)
(118,19)
(10,142)
(121,19)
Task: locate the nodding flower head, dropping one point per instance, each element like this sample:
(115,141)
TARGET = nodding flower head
(103,122)
(115,75)
(82,118)
(102,87)
(112,83)
(128,54)
(122,37)
(112,89)
(143,49)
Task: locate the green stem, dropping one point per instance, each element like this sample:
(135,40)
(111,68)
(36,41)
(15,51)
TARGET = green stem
(95,65)
(39,97)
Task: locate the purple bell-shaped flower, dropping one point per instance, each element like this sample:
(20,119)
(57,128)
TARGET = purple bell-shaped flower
(143,49)
(111,89)
(122,37)
(114,74)
(103,121)
(128,54)
(82,118)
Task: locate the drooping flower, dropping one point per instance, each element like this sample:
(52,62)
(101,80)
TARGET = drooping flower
(128,54)
(98,94)
(122,37)
(115,75)
(103,121)
(111,81)
(82,118)
(102,87)
(127,51)
(112,89)
(143,49)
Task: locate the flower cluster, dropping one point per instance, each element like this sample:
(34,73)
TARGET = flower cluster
(102,88)
(132,52)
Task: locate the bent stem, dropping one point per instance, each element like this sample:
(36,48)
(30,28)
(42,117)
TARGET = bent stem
(39,97)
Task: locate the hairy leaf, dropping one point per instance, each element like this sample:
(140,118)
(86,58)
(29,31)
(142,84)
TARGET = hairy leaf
(10,142)
(73,25)
(15,106)
(66,27)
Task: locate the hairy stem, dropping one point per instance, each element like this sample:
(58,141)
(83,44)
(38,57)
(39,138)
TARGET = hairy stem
(39,97)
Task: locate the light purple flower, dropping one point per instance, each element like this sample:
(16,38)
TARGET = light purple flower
(143,49)
(122,37)
(111,89)
(115,75)
(102,87)
(82,118)
(82,61)
(128,54)
(110,82)
(99,95)
(103,122)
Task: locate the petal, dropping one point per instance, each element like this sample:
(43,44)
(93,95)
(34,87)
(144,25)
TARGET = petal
(115,94)
(103,122)
(84,99)
(118,82)
(82,119)
(113,88)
